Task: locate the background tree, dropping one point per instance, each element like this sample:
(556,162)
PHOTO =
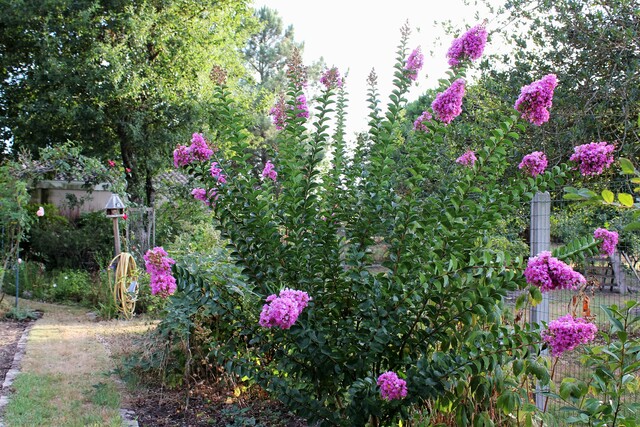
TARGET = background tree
(594,49)
(266,54)
(118,78)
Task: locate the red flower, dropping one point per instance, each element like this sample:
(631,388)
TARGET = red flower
(125,217)
(111,163)
(128,170)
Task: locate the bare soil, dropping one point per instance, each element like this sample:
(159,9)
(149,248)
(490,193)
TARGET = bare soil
(209,406)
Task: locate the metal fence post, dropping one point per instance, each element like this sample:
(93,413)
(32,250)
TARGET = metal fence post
(540,238)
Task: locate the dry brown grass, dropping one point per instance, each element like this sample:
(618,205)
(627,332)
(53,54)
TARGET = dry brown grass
(71,355)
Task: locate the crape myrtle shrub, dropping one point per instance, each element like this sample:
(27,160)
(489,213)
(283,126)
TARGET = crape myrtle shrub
(309,319)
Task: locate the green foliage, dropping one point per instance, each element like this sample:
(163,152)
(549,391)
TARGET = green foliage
(14,217)
(123,79)
(21,314)
(59,243)
(614,364)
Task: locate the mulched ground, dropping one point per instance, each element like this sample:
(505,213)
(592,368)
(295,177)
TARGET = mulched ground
(10,333)
(209,406)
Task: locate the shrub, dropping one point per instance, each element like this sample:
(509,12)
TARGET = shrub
(59,243)
(433,313)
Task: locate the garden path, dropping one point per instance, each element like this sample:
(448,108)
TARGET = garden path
(65,374)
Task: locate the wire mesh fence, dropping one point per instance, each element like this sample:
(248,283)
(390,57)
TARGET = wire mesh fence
(610,280)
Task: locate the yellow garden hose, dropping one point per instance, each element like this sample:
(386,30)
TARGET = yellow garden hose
(124,283)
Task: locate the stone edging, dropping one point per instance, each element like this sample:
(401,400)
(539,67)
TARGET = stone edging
(15,368)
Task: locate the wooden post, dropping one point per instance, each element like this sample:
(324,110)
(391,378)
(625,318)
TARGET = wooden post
(540,241)
(116,235)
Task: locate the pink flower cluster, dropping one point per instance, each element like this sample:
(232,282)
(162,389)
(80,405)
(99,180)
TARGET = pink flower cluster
(536,98)
(331,78)
(549,273)
(593,158)
(198,151)
(467,159)
(609,240)
(302,106)
(392,387)
(468,46)
(448,104)
(216,172)
(158,265)
(566,333)
(534,163)
(414,63)
(204,196)
(283,310)
(269,171)
(421,122)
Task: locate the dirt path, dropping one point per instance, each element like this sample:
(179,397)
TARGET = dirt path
(68,360)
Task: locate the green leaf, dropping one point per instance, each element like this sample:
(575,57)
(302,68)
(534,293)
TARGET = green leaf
(627,166)
(625,199)
(615,322)
(607,196)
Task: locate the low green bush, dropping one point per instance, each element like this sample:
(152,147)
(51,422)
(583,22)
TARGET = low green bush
(61,244)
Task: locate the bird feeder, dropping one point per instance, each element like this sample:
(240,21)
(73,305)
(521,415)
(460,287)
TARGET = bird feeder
(115,207)
(115,210)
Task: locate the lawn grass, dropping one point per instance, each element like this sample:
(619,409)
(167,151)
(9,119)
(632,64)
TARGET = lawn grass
(65,379)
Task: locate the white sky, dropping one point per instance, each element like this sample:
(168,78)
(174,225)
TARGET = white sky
(358,35)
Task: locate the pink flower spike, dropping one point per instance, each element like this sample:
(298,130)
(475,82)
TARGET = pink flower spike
(392,387)
(331,79)
(158,265)
(609,240)
(448,104)
(467,159)
(421,122)
(414,64)
(534,163)
(283,310)
(536,98)
(199,148)
(468,46)
(549,273)
(278,113)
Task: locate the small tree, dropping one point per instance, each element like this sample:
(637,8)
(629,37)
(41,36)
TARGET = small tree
(337,338)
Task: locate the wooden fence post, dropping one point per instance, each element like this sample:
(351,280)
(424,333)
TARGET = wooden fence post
(540,235)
